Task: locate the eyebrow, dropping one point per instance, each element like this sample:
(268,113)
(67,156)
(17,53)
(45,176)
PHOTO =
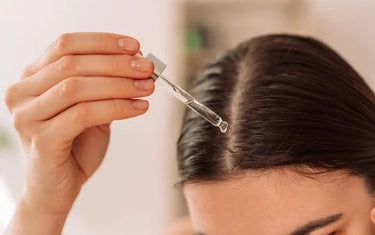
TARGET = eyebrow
(316,224)
(310,226)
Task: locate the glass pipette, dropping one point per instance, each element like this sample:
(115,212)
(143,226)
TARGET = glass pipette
(185,97)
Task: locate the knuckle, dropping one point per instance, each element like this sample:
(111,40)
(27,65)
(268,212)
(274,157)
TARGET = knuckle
(62,42)
(106,42)
(116,107)
(27,71)
(65,63)
(18,120)
(68,88)
(115,63)
(10,95)
(80,113)
(23,125)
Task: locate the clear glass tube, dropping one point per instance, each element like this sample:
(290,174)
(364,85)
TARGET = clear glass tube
(194,104)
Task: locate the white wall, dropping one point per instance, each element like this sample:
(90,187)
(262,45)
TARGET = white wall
(349,27)
(132,190)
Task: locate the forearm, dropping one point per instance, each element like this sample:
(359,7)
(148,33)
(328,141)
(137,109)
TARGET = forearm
(28,220)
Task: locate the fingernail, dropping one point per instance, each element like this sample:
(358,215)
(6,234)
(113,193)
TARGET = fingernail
(128,44)
(140,104)
(144,84)
(141,64)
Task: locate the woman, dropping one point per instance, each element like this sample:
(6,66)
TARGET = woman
(299,154)
(298,157)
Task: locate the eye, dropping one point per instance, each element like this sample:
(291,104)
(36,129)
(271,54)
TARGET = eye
(333,233)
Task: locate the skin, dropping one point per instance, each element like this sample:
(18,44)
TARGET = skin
(181,226)
(278,202)
(62,109)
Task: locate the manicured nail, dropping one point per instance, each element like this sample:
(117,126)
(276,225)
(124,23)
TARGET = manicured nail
(128,44)
(144,84)
(141,64)
(140,104)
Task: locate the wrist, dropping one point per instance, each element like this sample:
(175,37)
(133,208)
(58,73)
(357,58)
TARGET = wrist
(30,219)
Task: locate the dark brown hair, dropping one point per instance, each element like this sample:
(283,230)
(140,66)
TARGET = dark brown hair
(289,101)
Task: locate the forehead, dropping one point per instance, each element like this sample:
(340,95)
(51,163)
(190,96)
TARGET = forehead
(273,203)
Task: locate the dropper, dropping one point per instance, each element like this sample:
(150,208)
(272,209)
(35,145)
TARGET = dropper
(185,97)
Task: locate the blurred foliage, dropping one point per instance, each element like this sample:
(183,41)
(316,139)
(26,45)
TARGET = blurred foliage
(197,46)
(194,39)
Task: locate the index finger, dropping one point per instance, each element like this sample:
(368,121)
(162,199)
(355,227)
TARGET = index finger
(83,43)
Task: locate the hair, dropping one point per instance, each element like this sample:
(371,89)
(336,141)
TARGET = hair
(290,101)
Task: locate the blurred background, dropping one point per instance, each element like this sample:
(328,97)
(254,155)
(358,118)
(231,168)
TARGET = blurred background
(133,191)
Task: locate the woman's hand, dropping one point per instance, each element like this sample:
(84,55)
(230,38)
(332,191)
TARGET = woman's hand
(62,108)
